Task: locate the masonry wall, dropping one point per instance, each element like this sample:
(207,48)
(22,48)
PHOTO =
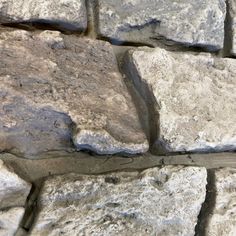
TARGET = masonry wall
(119,116)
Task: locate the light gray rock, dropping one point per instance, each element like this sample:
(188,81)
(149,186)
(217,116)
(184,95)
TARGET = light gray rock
(159,201)
(54,88)
(191,22)
(10,220)
(193,97)
(63,14)
(232,18)
(13,189)
(222,220)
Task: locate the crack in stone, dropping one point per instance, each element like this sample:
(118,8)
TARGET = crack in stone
(207,206)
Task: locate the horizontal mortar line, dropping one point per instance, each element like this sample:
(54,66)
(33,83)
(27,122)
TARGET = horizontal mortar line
(83,163)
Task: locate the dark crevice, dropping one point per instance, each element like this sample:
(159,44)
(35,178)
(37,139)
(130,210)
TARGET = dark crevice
(31,207)
(143,89)
(117,42)
(91,23)
(207,206)
(228,40)
(41,24)
(138,101)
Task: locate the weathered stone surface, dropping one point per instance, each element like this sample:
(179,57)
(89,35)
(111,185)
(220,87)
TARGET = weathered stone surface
(198,23)
(232,18)
(10,220)
(158,201)
(13,189)
(52,84)
(64,14)
(193,97)
(222,220)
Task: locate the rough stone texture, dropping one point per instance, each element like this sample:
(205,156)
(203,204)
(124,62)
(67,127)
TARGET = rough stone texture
(13,189)
(198,23)
(193,96)
(158,201)
(52,84)
(232,19)
(10,220)
(222,220)
(64,14)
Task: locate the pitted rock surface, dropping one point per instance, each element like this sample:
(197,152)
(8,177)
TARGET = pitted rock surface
(10,220)
(222,220)
(193,95)
(62,14)
(191,22)
(158,201)
(55,88)
(13,189)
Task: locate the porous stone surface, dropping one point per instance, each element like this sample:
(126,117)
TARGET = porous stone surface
(193,96)
(64,14)
(13,189)
(158,201)
(191,22)
(54,88)
(222,220)
(10,220)
(232,22)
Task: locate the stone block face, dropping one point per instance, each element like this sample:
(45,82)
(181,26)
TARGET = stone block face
(54,88)
(193,96)
(10,220)
(13,189)
(191,22)
(13,194)
(67,15)
(222,220)
(158,201)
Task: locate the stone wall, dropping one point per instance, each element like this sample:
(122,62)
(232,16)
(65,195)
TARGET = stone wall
(117,117)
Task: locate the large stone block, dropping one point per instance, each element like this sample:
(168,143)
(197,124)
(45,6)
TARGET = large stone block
(13,189)
(191,22)
(54,88)
(158,201)
(222,220)
(193,98)
(62,14)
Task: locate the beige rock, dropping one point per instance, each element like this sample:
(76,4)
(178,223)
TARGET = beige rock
(53,85)
(63,14)
(158,201)
(10,220)
(13,189)
(195,23)
(193,97)
(222,221)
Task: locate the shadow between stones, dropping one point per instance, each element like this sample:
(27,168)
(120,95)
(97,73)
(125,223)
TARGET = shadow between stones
(42,24)
(207,206)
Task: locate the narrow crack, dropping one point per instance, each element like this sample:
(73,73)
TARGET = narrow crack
(91,6)
(31,207)
(143,89)
(140,105)
(207,206)
(228,40)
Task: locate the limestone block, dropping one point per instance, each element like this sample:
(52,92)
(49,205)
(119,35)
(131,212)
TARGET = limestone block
(222,220)
(56,88)
(13,189)
(193,97)
(158,201)
(189,22)
(63,14)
